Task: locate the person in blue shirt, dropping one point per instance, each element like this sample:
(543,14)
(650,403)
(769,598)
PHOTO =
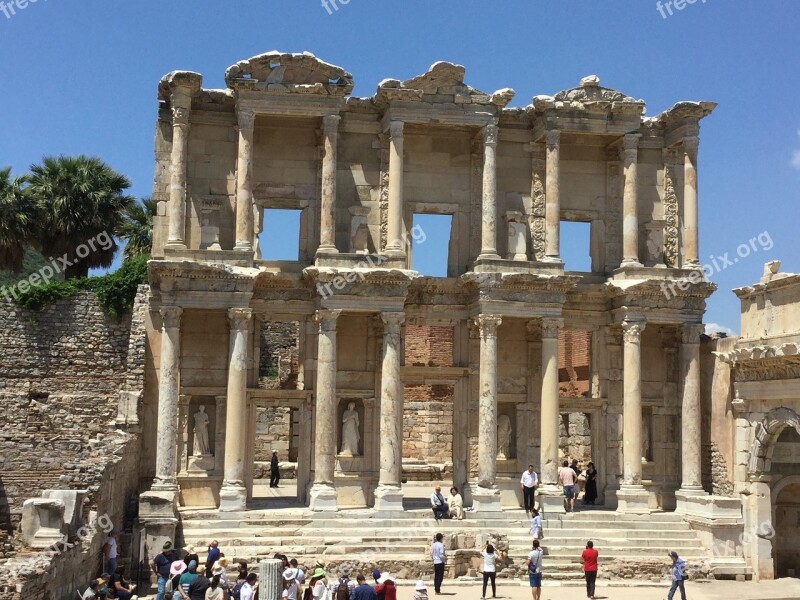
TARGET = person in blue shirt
(213,557)
(678,575)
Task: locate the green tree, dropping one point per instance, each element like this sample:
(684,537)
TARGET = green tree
(137,228)
(81,203)
(18,222)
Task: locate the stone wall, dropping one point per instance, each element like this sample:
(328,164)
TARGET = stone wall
(273,432)
(278,355)
(428,423)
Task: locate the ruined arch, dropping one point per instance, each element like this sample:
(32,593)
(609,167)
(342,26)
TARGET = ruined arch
(767,432)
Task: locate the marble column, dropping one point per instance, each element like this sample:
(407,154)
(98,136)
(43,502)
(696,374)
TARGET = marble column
(485,494)
(630,200)
(691,451)
(395,238)
(330,133)
(551,497)
(233,495)
(168,397)
(489,202)
(690,231)
(389,495)
(176,236)
(244,181)
(553,196)
(632,496)
(323,492)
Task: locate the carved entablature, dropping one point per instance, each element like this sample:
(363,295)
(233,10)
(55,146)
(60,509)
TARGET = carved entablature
(764,363)
(590,96)
(666,294)
(284,73)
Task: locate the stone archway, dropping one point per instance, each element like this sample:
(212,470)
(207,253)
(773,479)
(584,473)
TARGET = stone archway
(767,433)
(786,518)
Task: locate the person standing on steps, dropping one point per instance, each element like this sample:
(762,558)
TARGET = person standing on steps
(536,525)
(535,570)
(589,560)
(274,470)
(567,478)
(678,576)
(489,569)
(590,493)
(439,561)
(528,484)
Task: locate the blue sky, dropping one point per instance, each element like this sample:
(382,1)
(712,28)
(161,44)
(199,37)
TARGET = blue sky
(81,77)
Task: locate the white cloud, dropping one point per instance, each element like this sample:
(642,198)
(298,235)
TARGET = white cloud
(717,328)
(796,159)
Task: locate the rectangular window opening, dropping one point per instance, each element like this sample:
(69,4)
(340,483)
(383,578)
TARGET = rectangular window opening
(430,244)
(279,236)
(576,246)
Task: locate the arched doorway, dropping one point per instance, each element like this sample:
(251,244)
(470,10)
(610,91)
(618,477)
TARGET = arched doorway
(785,495)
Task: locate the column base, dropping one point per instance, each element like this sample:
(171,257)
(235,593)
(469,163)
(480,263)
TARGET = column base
(175,246)
(633,500)
(326,250)
(243,247)
(232,496)
(552,259)
(488,256)
(388,498)
(158,504)
(486,499)
(551,500)
(687,497)
(322,498)
(629,263)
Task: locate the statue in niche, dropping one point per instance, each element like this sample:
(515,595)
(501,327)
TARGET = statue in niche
(350,433)
(645,440)
(201,445)
(504,436)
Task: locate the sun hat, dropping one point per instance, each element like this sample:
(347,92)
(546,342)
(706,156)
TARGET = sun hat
(167,545)
(222,562)
(177,567)
(318,573)
(421,585)
(290,574)
(385,577)
(376,574)
(217,569)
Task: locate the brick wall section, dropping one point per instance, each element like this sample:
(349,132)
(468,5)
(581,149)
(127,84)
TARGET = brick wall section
(429,346)
(574,360)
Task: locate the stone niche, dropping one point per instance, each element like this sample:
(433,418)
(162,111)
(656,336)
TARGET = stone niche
(200,472)
(355,465)
(359,230)
(517,236)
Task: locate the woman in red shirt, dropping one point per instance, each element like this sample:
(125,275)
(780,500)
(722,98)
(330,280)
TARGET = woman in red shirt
(589,560)
(385,588)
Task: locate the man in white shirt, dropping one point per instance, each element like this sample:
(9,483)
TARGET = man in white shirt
(110,553)
(568,478)
(438,504)
(248,591)
(528,485)
(439,560)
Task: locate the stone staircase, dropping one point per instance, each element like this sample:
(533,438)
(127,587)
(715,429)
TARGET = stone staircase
(631,547)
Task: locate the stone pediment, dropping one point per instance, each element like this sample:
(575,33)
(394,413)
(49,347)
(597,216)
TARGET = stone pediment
(589,95)
(443,79)
(281,72)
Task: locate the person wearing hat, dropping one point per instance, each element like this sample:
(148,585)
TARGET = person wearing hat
(363,591)
(161,567)
(191,555)
(343,585)
(219,569)
(678,576)
(290,585)
(421,591)
(176,569)
(186,579)
(376,574)
(386,588)
(318,584)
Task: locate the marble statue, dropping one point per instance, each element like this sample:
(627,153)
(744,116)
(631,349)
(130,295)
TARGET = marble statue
(201,445)
(350,433)
(503,436)
(645,439)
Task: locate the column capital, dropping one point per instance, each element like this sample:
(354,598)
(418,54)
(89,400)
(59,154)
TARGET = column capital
(490,133)
(630,141)
(330,123)
(239,318)
(632,330)
(552,138)
(670,156)
(488,324)
(691,332)
(396,129)
(326,319)
(550,327)
(180,116)
(246,119)
(170,316)
(393,321)
(691,144)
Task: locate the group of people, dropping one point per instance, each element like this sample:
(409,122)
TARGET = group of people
(451,507)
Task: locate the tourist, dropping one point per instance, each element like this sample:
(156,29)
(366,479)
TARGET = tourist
(376,574)
(219,571)
(438,504)
(121,589)
(212,556)
(319,584)
(456,504)
(242,568)
(105,580)
(198,588)
(567,478)
(92,592)
(176,569)
(290,586)
(216,591)
(678,576)
(528,484)
(439,560)
(575,466)
(191,555)
(301,576)
(590,493)
(241,579)
(421,591)
(110,553)
(343,586)
(589,560)
(386,588)
(248,591)
(534,564)
(489,568)
(536,525)
(187,578)
(274,470)
(161,567)
(363,591)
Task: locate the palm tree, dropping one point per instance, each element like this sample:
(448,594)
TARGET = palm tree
(82,203)
(137,228)
(17,221)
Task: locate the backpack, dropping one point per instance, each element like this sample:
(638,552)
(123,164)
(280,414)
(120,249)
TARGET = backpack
(342,591)
(534,568)
(237,591)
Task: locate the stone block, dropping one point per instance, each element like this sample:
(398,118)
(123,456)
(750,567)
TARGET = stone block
(43,522)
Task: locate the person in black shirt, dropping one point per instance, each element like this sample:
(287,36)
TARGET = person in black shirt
(274,471)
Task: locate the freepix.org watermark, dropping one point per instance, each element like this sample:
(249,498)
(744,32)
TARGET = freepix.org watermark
(332,6)
(102,241)
(763,241)
(10,7)
(665,8)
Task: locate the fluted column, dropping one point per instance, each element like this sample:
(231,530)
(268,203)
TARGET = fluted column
(168,396)
(394,234)
(489,202)
(389,495)
(244,181)
(176,236)
(630,200)
(553,196)
(690,230)
(691,455)
(323,492)
(233,495)
(330,133)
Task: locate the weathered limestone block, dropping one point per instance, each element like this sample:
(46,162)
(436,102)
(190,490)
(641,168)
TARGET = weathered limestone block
(74,501)
(43,522)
